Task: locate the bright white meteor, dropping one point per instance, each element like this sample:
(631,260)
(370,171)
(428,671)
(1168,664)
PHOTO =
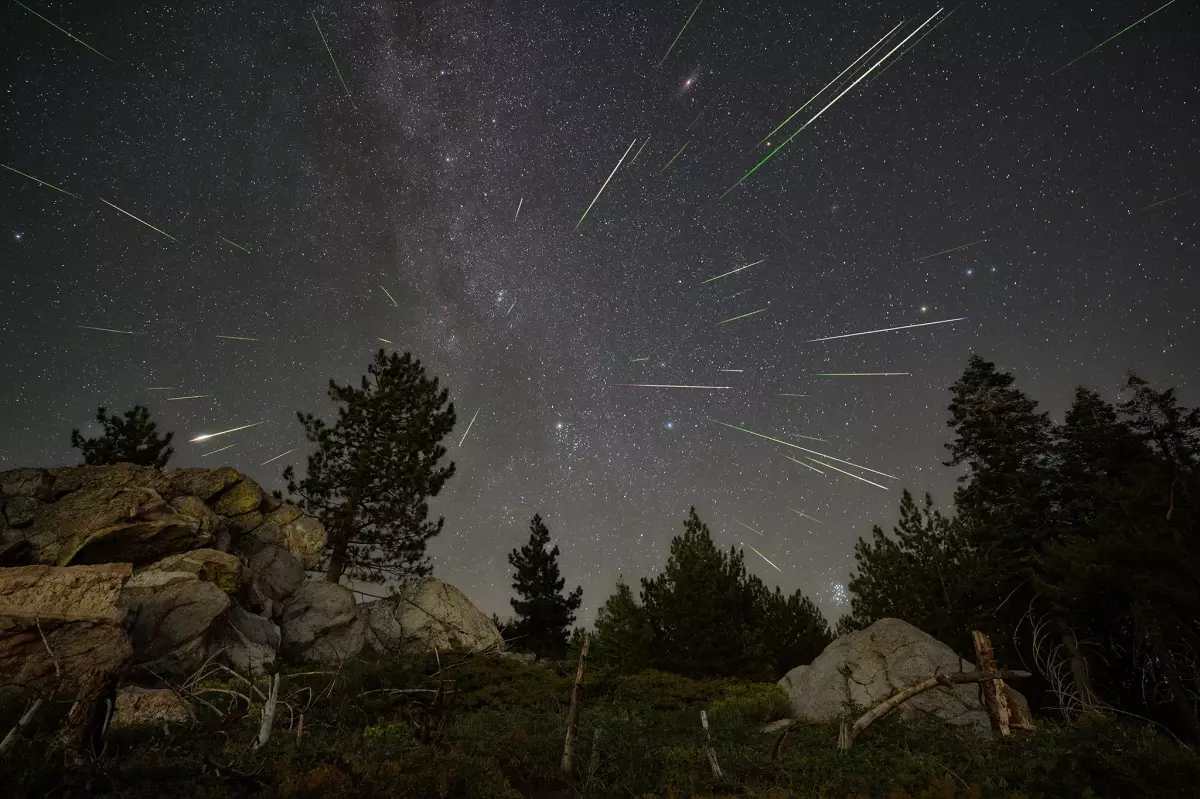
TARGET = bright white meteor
(610,177)
(469,426)
(761,555)
(735,271)
(890,329)
(748,527)
(207,436)
(802,463)
(660,385)
(805,515)
(843,471)
(797,446)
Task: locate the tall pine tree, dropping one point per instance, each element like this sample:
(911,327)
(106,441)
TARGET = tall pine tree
(544,614)
(623,637)
(132,438)
(374,469)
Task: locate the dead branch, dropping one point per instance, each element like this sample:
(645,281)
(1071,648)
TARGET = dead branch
(568,758)
(995,698)
(849,734)
(49,651)
(708,748)
(268,718)
(15,733)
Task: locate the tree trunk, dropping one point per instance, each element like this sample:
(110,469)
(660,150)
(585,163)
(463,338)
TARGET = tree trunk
(995,699)
(337,564)
(568,758)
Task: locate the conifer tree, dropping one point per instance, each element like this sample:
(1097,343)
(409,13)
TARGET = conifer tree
(623,636)
(795,631)
(130,439)
(544,613)
(374,469)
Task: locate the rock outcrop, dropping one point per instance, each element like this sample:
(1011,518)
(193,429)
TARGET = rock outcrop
(320,623)
(137,706)
(864,668)
(428,614)
(210,565)
(174,629)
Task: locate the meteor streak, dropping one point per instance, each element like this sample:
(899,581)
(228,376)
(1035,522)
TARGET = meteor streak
(843,471)
(761,555)
(464,438)
(797,446)
(189,396)
(219,449)
(805,515)
(748,527)
(39,180)
(911,46)
(160,388)
(518,213)
(638,360)
(610,177)
(109,330)
(639,152)
(943,252)
(334,60)
(514,305)
(827,85)
(862,374)
(73,36)
(207,436)
(384,340)
(238,338)
(1160,202)
(390,297)
(234,243)
(685,144)
(727,274)
(802,463)
(681,30)
(732,370)
(660,385)
(131,216)
(277,457)
(1115,35)
(889,329)
(817,115)
(743,316)
(794,395)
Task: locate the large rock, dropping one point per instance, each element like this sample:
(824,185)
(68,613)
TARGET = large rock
(203,483)
(209,565)
(428,614)
(68,479)
(21,511)
(59,624)
(320,623)
(173,629)
(105,524)
(27,482)
(866,667)
(137,706)
(251,641)
(288,528)
(242,497)
(273,575)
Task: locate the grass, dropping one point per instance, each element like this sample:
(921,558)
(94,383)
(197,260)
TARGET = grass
(367,733)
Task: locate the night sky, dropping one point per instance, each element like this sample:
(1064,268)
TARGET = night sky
(226,122)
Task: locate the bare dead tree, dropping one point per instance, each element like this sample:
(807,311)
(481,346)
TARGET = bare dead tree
(568,758)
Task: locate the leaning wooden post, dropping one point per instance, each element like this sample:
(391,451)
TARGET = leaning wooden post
(995,698)
(568,758)
(708,747)
(268,716)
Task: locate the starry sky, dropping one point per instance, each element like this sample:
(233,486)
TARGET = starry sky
(296,204)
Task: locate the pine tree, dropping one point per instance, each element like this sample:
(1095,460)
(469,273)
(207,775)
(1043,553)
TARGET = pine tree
(919,574)
(375,468)
(129,439)
(544,614)
(623,635)
(795,631)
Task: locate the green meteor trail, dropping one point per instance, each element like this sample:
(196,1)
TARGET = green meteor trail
(1115,35)
(803,449)
(207,436)
(108,330)
(39,180)
(843,471)
(219,449)
(334,61)
(681,30)
(805,465)
(234,243)
(685,144)
(889,329)
(764,557)
(727,274)
(841,94)
(390,297)
(73,36)
(743,316)
(610,177)
(131,216)
(827,85)
(238,338)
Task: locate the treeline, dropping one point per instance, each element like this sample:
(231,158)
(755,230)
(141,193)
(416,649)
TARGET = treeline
(703,615)
(1075,545)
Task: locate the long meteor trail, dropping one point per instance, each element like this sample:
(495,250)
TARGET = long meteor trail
(234,243)
(805,515)
(1110,38)
(1169,199)
(238,338)
(610,177)
(862,374)
(219,449)
(39,180)
(803,449)
(144,222)
(944,252)
(661,385)
(802,463)
(889,329)
(207,436)
(743,316)
(841,94)
(827,85)
(732,272)
(277,457)
(633,160)
(764,557)
(68,33)
(680,150)
(518,213)
(390,297)
(748,527)
(189,396)
(108,330)
(843,471)
(470,425)
(681,30)
(333,60)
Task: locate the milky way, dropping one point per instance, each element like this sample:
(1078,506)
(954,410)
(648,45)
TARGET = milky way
(450,169)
